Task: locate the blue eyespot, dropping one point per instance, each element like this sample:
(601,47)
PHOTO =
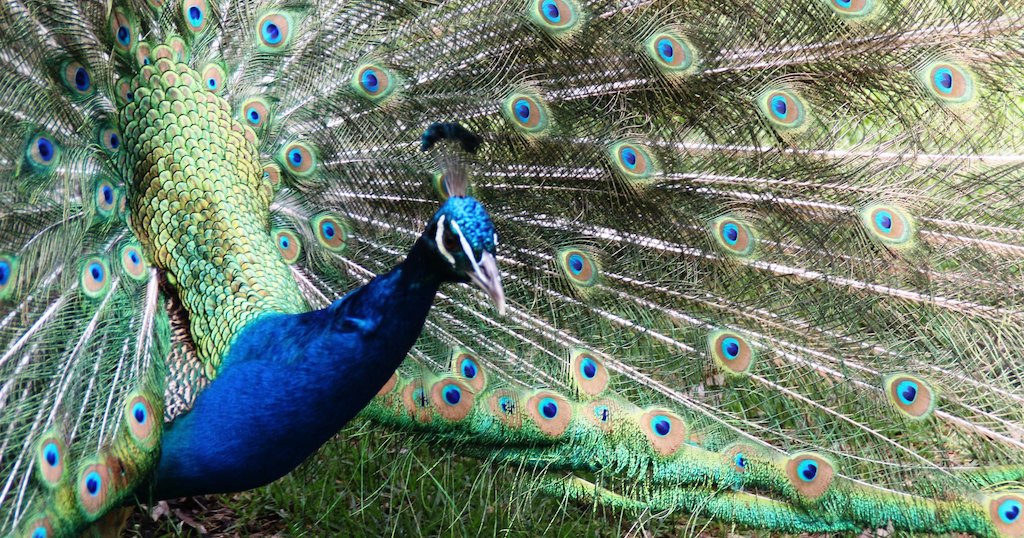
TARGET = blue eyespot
(134,256)
(328,230)
(283,242)
(548,408)
(295,156)
(907,392)
(139,412)
(51,454)
(666,50)
(129,97)
(508,405)
(254,118)
(522,108)
(469,368)
(602,413)
(730,348)
(576,263)
(195,16)
(452,394)
(740,460)
(96,270)
(211,83)
(370,81)
(1010,510)
(629,157)
(5,272)
(807,470)
(39,532)
(115,141)
(661,425)
(45,148)
(93,483)
(731,233)
(550,10)
(844,3)
(588,368)
(944,80)
(420,397)
(271,33)
(779,106)
(108,194)
(884,221)
(124,36)
(82,79)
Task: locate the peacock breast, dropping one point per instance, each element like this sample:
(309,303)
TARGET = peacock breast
(200,206)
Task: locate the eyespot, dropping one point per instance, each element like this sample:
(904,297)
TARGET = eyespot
(94,483)
(734,236)
(452,399)
(550,412)
(143,424)
(272,174)
(556,17)
(42,152)
(464,364)
(588,373)
(50,458)
(810,474)
(142,52)
(632,160)
(948,82)
(274,31)
(196,14)
(373,82)
(214,77)
(1007,514)
(105,198)
(731,352)
(256,112)
(417,402)
(671,52)
(95,277)
(330,231)
(527,113)
(783,109)
(504,405)
(133,263)
(179,47)
(853,9)
(910,395)
(665,430)
(579,267)
(8,274)
(40,527)
(77,78)
(888,224)
(298,158)
(110,139)
(123,30)
(125,94)
(600,413)
(288,245)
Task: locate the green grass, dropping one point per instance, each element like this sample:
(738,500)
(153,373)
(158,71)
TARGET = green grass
(369,484)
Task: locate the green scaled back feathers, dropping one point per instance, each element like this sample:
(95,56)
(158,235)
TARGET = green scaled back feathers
(762,259)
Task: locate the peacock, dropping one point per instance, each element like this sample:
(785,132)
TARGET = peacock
(761,260)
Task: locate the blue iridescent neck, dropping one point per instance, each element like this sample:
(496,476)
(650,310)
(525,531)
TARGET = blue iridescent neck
(290,382)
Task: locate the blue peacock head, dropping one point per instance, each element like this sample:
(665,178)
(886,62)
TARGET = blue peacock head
(463,234)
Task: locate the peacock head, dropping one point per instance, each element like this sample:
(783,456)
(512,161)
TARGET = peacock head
(462,233)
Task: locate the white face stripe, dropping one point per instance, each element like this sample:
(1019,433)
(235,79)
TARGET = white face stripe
(466,248)
(439,239)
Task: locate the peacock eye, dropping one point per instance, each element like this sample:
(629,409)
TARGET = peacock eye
(451,242)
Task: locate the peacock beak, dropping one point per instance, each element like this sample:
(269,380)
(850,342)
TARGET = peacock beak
(486,275)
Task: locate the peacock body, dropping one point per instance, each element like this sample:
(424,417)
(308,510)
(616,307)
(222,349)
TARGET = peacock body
(761,260)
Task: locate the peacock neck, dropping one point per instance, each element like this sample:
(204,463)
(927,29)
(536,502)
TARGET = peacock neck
(291,381)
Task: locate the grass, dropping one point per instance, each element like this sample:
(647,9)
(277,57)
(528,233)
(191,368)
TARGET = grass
(373,484)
